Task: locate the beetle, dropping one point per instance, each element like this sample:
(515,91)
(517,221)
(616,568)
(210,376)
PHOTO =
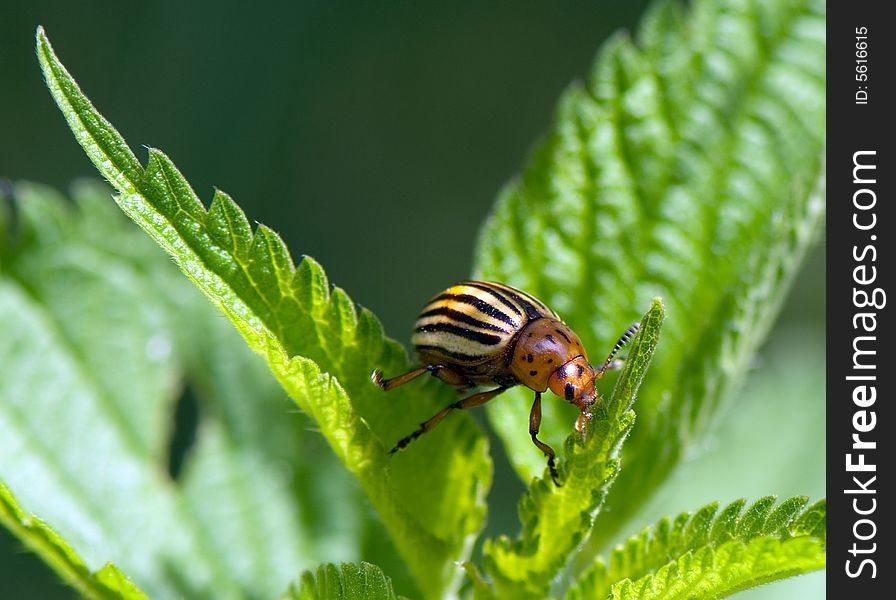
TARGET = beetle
(483,333)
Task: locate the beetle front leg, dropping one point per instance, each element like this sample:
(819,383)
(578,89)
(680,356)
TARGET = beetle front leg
(534,425)
(582,421)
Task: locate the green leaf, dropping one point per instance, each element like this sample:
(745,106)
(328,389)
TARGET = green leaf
(107,583)
(345,582)
(718,572)
(101,334)
(689,166)
(711,553)
(555,518)
(320,346)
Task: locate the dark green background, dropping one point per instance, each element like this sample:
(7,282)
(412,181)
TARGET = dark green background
(372,136)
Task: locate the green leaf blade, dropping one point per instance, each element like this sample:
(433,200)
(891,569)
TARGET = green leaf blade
(732,567)
(555,519)
(101,141)
(49,380)
(311,337)
(737,556)
(109,583)
(103,333)
(681,169)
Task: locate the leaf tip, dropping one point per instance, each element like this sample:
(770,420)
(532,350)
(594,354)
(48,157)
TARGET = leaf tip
(42,44)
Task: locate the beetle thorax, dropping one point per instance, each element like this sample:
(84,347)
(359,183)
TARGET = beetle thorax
(542,347)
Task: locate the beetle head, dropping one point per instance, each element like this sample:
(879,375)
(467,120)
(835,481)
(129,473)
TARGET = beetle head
(574,381)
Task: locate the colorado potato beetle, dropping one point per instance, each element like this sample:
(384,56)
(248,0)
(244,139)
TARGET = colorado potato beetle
(482,333)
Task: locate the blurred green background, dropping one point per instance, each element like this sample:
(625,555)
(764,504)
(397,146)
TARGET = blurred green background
(374,137)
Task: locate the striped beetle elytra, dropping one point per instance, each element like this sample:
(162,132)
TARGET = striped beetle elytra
(482,333)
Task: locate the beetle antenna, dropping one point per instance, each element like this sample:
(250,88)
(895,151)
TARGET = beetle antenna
(623,340)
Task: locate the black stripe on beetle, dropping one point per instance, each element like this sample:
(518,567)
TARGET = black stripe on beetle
(487,339)
(483,306)
(532,299)
(532,312)
(456,315)
(491,290)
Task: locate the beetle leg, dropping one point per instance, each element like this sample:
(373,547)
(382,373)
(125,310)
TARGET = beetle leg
(581,421)
(449,376)
(534,425)
(469,402)
(446,374)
